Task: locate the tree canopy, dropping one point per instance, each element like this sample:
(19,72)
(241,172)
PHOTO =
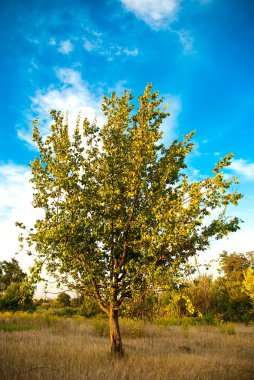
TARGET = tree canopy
(10,272)
(118,205)
(15,292)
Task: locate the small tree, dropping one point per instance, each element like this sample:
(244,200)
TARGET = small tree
(15,293)
(117,204)
(10,272)
(63,299)
(17,297)
(229,293)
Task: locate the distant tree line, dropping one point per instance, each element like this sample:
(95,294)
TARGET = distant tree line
(228,297)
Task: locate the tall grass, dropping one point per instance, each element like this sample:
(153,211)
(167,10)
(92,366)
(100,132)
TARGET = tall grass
(75,349)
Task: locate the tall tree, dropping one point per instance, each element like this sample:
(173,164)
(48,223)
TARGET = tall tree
(117,204)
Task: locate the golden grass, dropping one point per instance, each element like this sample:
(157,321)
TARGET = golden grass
(75,349)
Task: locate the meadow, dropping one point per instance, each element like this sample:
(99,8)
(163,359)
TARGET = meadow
(34,346)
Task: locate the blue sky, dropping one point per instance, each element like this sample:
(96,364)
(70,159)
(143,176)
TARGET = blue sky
(199,54)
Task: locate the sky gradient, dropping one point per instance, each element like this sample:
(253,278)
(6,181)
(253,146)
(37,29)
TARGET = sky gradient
(199,55)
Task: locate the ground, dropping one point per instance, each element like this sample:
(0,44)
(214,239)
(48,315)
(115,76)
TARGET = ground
(35,347)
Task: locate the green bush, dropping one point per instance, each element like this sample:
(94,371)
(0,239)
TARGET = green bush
(89,307)
(63,300)
(17,296)
(209,319)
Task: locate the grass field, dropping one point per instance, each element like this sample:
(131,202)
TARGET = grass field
(42,347)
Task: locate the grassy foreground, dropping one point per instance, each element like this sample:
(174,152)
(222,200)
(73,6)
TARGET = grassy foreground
(43,347)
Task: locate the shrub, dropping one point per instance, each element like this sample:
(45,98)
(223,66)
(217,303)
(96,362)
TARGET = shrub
(89,307)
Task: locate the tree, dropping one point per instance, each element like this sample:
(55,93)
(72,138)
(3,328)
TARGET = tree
(200,293)
(229,292)
(234,267)
(117,204)
(10,272)
(14,291)
(248,283)
(17,296)
(63,299)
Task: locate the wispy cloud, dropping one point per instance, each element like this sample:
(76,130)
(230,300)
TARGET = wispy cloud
(170,125)
(155,13)
(52,41)
(71,95)
(65,47)
(243,168)
(97,44)
(161,14)
(91,46)
(186,41)
(131,52)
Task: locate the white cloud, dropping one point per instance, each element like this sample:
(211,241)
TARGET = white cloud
(186,41)
(65,47)
(155,13)
(16,196)
(243,168)
(91,46)
(96,44)
(15,205)
(52,41)
(131,52)
(72,95)
(159,14)
(240,242)
(26,135)
(13,181)
(170,125)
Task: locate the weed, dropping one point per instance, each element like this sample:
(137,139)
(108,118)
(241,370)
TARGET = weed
(227,328)
(101,327)
(186,329)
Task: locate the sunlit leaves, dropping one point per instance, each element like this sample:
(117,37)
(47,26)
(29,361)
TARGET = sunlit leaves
(117,203)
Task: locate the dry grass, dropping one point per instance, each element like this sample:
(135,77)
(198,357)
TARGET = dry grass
(72,349)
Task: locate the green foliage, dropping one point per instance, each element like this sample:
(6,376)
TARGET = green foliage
(10,272)
(14,325)
(89,307)
(63,299)
(200,293)
(17,297)
(228,290)
(227,295)
(248,283)
(76,302)
(119,210)
(15,292)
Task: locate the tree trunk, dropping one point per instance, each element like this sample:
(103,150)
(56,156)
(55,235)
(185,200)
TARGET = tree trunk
(115,336)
